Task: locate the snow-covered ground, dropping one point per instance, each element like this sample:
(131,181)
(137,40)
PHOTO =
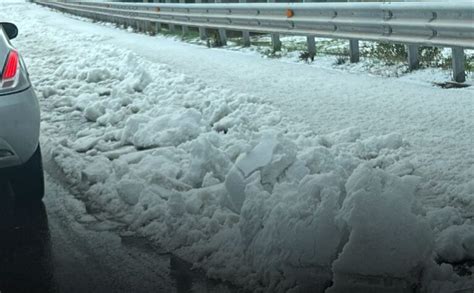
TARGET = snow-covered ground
(333,54)
(277,176)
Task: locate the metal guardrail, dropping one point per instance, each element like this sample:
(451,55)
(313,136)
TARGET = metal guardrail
(414,24)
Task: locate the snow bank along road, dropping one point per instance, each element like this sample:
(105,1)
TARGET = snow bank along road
(277,177)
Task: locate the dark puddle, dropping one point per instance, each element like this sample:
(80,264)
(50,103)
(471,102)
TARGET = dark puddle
(451,85)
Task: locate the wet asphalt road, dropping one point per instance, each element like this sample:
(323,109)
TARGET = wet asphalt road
(25,248)
(44,249)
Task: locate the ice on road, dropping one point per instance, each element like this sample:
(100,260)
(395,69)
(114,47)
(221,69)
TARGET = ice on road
(272,175)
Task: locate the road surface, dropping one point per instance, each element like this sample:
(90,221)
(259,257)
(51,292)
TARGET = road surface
(43,248)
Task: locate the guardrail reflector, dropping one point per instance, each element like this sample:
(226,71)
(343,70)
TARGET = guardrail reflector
(290,13)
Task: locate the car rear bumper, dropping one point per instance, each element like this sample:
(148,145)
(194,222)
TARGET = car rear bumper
(19,127)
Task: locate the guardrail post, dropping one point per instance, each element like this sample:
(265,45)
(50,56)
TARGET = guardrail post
(459,74)
(245,34)
(157,27)
(246,38)
(184,29)
(276,43)
(223,36)
(354,51)
(202,33)
(171,28)
(311,45)
(413,57)
(148,28)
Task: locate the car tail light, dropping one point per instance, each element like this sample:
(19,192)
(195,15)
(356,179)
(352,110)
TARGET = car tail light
(11,70)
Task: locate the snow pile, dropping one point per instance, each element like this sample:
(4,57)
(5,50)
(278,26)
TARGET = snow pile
(228,182)
(196,167)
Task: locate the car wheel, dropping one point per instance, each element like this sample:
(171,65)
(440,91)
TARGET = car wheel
(28,180)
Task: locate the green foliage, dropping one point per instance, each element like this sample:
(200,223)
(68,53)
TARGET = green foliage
(270,53)
(433,57)
(190,36)
(389,53)
(341,60)
(214,40)
(429,56)
(470,64)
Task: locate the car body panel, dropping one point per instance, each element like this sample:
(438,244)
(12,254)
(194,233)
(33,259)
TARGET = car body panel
(19,115)
(4,47)
(19,127)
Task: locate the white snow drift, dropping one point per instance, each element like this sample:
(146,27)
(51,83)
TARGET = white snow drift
(230,183)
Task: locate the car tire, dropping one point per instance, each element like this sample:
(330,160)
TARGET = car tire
(28,180)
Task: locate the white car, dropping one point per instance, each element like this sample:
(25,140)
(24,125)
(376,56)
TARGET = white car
(20,153)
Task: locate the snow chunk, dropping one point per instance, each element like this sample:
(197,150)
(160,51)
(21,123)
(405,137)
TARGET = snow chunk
(93,112)
(443,218)
(259,157)
(176,205)
(84,100)
(131,127)
(456,243)
(169,129)
(97,171)
(85,143)
(129,190)
(235,181)
(97,74)
(48,92)
(206,160)
(293,228)
(371,147)
(343,136)
(378,212)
